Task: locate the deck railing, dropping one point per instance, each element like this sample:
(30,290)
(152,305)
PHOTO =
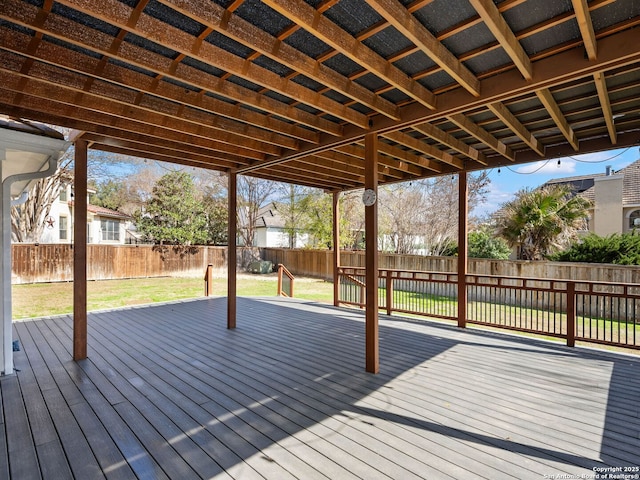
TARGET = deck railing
(597,312)
(285,282)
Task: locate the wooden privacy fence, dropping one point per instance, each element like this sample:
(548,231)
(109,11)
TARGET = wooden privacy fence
(54,262)
(319,263)
(597,312)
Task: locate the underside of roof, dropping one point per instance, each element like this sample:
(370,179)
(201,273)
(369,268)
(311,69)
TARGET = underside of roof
(288,89)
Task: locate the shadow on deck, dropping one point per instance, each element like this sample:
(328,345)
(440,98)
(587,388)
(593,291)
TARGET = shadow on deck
(169,392)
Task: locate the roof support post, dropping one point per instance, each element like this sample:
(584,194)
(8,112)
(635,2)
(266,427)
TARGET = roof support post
(463,213)
(371,254)
(336,248)
(80,251)
(6,350)
(232,253)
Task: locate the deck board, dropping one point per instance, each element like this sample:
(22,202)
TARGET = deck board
(169,392)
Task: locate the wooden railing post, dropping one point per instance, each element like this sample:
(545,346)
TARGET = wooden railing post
(571,314)
(208,281)
(279,292)
(389,286)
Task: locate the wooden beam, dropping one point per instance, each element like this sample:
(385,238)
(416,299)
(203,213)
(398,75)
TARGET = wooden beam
(605,104)
(423,147)
(215,17)
(398,16)
(616,50)
(463,260)
(482,135)
(141,150)
(116,13)
(371,256)
(101,43)
(105,126)
(583,18)
(314,22)
(494,20)
(80,251)
(231,249)
(336,248)
(509,119)
(546,98)
(128,111)
(451,141)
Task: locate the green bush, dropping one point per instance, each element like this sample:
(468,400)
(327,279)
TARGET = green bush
(483,244)
(620,249)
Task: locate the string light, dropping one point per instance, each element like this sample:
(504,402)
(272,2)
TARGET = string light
(559,163)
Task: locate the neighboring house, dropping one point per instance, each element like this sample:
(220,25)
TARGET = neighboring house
(270,230)
(103,225)
(615,197)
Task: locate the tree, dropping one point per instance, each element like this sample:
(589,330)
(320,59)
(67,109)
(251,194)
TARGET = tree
(110,194)
(28,220)
(318,219)
(252,194)
(541,221)
(173,215)
(292,209)
(483,243)
(401,208)
(423,215)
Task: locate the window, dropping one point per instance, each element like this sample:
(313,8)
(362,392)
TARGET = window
(634,220)
(63,193)
(63,227)
(110,229)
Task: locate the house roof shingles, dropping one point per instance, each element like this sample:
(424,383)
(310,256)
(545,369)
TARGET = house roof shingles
(584,185)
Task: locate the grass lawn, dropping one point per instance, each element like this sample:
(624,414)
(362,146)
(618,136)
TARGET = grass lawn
(43,299)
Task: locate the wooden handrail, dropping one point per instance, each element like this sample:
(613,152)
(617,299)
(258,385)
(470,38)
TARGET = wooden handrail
(282,270)
(591,311)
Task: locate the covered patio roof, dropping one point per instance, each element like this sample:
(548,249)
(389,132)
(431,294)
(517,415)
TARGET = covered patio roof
(288,89)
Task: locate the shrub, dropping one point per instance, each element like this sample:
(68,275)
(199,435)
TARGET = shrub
(483,244)
(620,249)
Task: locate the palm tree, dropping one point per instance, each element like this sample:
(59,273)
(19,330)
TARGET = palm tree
(541,221)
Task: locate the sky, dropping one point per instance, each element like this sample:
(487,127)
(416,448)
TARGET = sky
(508,180)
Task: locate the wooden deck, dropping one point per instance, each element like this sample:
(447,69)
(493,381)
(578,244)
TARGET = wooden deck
(168,392)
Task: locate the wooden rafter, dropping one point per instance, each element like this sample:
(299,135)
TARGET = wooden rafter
(327,31)
(206,108)
(472,21)
(183,81)
(496,23)
(605,104)
(339,161)
(44,90)
(75,33)
(394,158)
(509,119)
(171,37)
(449,140)
(546,98)
(244,32)
(586,27)
(410,27)
(411,159)
(425,148)
(482,135)
(47,110)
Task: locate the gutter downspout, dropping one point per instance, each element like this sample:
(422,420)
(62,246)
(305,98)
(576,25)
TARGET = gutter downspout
(6,347)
